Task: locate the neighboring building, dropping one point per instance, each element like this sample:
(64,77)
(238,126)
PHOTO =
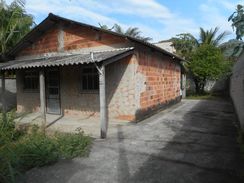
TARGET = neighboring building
(73,58)
(166,45)
(237,88)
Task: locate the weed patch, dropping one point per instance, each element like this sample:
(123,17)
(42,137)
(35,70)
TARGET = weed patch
(21,151)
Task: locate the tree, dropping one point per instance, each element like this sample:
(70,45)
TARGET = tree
(237,19)
(131,31)
(184,44)
(187,46)
(105,27)
(211,37)
(14,24)
(207,63)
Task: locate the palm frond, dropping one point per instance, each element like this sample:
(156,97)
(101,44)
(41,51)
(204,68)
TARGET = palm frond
(133,32)
(118,29)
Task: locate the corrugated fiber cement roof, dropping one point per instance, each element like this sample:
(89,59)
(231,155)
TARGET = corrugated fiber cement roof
(73,59)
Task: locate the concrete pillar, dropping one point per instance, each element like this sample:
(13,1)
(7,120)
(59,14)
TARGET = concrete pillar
(42,98)
(183,85)
(103,105)
(60,38)
(3,92)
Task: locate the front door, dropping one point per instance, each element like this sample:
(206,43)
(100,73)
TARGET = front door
(53,91)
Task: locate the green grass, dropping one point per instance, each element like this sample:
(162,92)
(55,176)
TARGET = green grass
(21,151)
(202,97)
(207,96)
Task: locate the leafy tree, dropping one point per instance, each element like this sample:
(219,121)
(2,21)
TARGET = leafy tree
(237,19)
(207,63)
(187,46)
(14,24)
(184,44)
(131,31)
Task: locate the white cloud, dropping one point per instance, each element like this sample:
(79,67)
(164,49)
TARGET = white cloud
(153,18)
(94,11)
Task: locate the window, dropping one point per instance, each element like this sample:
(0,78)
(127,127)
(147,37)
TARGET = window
(31,80)
(90,79)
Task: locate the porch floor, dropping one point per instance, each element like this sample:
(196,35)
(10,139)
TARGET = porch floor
(89,124)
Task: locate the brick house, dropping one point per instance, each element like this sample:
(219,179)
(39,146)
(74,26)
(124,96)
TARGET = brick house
(70,68)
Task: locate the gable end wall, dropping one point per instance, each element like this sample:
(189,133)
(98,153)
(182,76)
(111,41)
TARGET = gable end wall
(70,38)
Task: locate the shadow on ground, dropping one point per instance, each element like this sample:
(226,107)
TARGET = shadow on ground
(192,142)
(203,149)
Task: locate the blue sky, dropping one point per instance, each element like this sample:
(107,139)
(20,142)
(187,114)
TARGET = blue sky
(159,19)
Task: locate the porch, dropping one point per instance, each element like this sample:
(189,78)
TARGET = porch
(70,124)
(39,90)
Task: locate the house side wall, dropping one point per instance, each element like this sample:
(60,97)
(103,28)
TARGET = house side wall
(158,81)
(121,91)
(237,88)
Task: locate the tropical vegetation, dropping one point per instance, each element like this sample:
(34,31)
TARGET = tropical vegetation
(204,60)
(21,150)
(14,24)
(131,31)
(237,19)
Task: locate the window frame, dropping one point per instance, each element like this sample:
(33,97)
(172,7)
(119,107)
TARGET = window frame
(95,91)
(31,76)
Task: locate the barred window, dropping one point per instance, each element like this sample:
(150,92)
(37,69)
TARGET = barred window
(31,80)
(90,79)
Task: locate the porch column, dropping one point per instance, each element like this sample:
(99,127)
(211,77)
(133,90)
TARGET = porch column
(3,96)
(103,105)
(42,98)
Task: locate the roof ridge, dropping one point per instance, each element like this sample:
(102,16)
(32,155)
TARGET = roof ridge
(111,50)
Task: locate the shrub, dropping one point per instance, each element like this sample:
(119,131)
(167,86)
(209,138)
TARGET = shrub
(21,151)
(72,145)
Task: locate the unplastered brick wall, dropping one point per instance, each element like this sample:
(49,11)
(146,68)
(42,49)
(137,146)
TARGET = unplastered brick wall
(68,37)
(159,80)
(121,94)
(48,42)
(76,37)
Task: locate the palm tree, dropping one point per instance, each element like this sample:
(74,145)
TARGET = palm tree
(186,43)
(131,31)
(211,37)
(14,24)
(105,27)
